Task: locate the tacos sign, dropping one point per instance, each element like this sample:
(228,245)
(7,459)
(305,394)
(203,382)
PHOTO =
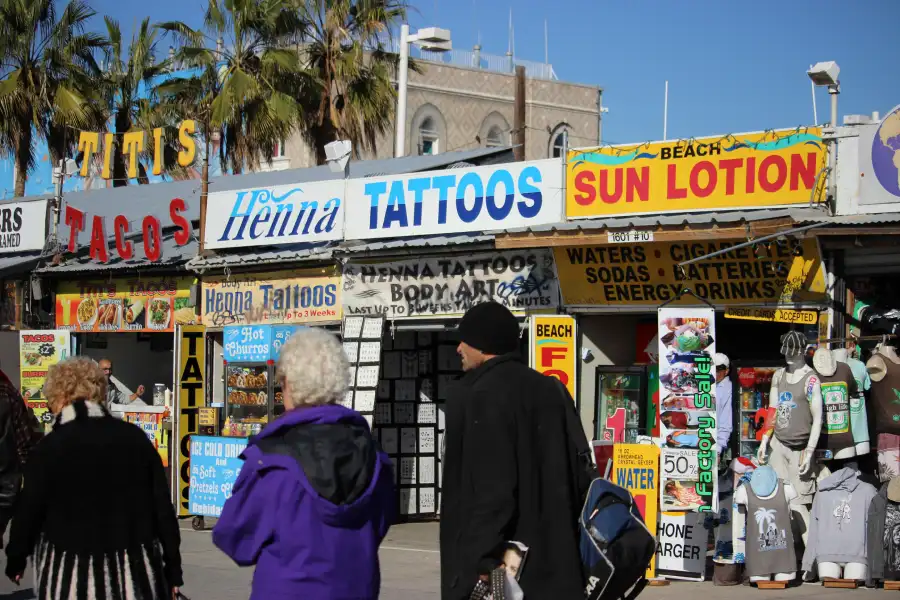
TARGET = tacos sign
(145,304)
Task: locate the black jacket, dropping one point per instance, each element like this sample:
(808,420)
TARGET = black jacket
(508,475)
(96,494)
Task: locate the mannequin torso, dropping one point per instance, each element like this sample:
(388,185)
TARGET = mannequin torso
(839,387)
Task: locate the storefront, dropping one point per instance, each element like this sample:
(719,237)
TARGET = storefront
(248,318)
(399,332)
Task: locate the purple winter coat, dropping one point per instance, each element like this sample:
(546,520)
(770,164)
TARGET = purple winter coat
(311,505)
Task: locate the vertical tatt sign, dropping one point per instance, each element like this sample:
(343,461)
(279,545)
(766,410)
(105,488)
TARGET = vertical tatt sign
(191,398)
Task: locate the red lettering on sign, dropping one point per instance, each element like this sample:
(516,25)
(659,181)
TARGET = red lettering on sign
(123,246)
(75,221)
(584,183)
(99,251)
(561,375)
(152,238)
(183,235)
(673,192)
(772,185)
(549,354)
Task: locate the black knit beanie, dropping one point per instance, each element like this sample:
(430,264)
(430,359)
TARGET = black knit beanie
(491,328)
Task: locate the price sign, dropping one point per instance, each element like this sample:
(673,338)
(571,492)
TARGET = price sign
(629,237)
(680,463)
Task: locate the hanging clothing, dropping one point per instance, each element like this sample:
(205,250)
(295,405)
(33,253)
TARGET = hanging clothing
(883,538)
(885,399)
(770,542)
(837,390)
(859,419)
(888,456)
(837,526)
(793,417)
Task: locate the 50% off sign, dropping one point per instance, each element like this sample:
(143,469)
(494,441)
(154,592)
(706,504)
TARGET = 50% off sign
(680,463)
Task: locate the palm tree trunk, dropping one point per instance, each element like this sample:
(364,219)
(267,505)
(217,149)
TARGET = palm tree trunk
(23,156)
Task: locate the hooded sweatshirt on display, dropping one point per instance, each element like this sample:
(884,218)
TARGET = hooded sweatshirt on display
(837,527)
(312,503)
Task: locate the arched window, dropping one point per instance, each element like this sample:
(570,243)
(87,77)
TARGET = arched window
(494,138)
(558,140)
(429,141)
(559,145)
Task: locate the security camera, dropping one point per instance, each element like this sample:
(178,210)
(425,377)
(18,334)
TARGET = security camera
(824,73)
(338,150)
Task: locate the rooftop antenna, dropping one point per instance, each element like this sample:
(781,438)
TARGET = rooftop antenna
(475,18)
(509,44)
(546,44)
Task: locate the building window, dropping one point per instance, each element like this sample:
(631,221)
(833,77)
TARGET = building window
(559,145)
(494,138)
(557,140)
(428,137)
(279,150)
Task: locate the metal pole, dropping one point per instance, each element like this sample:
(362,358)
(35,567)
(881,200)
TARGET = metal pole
(58,193)
(666,113)
(834,91)
(400,141)
(519,114)
(751,243)
(599,117)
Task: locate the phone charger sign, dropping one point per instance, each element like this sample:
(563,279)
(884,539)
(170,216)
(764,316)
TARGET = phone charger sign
(681,546)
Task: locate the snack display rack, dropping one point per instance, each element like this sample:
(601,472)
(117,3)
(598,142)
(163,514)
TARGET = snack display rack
(250,398)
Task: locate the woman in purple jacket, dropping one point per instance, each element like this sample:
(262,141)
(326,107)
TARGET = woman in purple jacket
(315,496)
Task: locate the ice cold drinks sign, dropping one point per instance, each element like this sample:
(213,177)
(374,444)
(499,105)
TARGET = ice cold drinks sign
(522,281)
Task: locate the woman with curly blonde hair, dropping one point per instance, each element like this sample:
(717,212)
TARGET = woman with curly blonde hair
(315,496)
(83,545)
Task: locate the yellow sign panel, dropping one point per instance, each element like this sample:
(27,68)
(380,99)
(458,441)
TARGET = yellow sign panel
(751,170)
(271,298)
(553,348)
(776,315)
(191,398)
(636,468)
(648,274)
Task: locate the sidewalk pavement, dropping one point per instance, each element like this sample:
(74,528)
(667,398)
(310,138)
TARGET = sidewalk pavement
(410,567)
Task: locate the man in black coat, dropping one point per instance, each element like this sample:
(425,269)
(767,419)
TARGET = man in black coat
(509,469)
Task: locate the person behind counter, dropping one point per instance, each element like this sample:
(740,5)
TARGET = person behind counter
(315,496)
(82,544)
(113,394)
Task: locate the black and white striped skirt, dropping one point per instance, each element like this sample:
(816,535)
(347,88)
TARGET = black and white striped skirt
(135,574)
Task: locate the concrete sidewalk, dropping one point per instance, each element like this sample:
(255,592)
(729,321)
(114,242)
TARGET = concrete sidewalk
(410,566)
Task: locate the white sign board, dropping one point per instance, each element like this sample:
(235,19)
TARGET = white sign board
(879,149)
(476,199)
(523,281)
(23,226)
(285,214)
(629,237)
(681,546)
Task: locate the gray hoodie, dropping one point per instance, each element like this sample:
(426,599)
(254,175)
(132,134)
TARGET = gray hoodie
(837,527)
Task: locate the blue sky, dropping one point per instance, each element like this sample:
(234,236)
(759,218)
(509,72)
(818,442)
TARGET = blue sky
(732,66)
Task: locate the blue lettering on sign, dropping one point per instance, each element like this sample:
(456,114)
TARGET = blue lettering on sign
(398,204)
(252,216)
(214,469)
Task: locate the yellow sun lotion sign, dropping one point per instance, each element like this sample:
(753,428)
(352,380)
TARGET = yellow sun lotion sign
(553,348)
(747,170)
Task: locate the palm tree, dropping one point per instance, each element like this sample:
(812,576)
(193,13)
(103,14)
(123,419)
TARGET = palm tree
(130,90)
(247,77)
(353,97)
(46,67)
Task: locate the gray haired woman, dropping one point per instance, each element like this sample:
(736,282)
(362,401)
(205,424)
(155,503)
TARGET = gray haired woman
(315,496)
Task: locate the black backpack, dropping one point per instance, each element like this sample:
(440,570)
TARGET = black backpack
(615,545)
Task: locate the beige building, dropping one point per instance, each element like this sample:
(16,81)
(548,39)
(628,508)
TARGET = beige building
(452,105)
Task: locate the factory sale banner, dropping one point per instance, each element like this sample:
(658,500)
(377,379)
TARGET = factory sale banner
(687,380)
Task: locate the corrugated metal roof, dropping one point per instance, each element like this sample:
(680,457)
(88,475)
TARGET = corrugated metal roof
(258,257)
(251,257)
(173,257)
(669,220)
(14,264)
(427,241)
(874,219)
